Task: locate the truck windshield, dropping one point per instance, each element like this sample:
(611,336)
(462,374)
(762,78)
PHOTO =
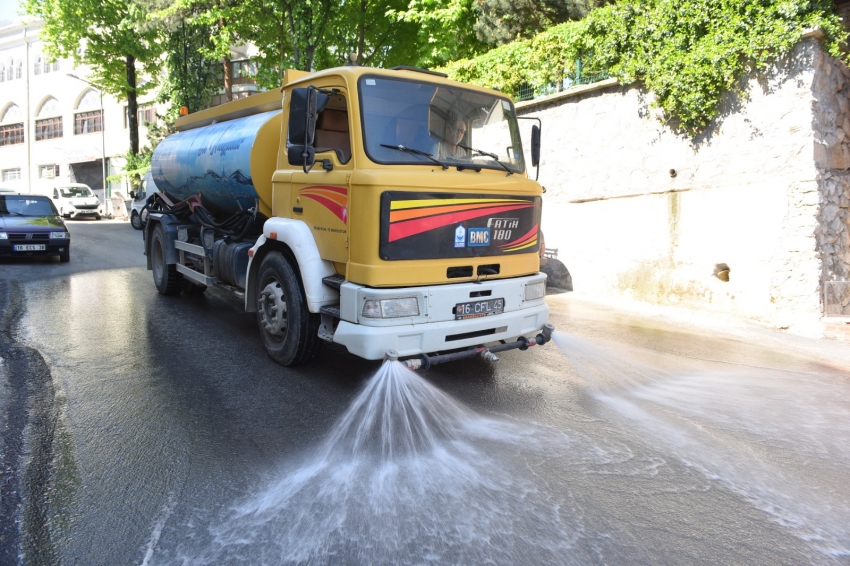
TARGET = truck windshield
(412,122)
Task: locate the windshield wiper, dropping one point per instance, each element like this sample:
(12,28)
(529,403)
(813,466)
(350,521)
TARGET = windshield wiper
(416,152)
(492,156)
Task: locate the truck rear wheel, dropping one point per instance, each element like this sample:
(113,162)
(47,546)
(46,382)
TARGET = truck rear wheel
(167,279)
(290,332)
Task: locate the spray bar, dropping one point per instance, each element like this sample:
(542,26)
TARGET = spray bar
(425,361)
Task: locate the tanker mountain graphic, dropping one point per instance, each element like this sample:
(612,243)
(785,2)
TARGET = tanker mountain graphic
(212,182)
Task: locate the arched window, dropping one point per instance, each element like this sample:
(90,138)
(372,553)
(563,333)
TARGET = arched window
(2,73)
(49,107)
(19,70)
(11,129)
(36,69)
(13,113)
(48,124)
(10,70)
(89,119)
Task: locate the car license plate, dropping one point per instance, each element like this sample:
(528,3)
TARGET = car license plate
(29,248)
(477,309)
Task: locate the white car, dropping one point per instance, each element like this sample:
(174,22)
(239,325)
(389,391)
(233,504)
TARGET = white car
(76,200)
(139,216)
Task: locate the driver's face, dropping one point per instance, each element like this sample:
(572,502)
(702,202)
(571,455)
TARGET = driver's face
(458,131)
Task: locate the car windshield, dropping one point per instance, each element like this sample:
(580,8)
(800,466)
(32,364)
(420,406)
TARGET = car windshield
(22,205)
(407,121)
(69,192)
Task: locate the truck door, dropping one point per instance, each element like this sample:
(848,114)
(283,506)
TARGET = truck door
(320,198)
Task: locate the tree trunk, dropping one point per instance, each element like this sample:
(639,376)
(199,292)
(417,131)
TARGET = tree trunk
(361,33)
(132,105)
(228,73)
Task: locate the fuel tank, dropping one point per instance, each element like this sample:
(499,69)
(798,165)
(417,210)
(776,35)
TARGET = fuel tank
(230,164)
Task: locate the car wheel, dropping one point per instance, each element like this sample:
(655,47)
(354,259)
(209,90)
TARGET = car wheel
(290,332)
(167,279)
(136,221)
(97,217)
(65,257)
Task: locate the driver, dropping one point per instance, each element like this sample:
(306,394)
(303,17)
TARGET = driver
(455,132)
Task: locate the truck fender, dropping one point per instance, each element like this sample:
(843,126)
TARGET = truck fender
(170,225)
(297,237)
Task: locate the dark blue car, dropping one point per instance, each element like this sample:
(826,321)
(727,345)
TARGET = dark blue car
(31,226)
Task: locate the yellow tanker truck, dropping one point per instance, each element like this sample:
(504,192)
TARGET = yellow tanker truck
(386,210)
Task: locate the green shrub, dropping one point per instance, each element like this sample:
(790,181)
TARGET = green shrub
(686,53)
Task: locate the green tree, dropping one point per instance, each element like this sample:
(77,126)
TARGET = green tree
(501,21)
(191,79)
(113,37)
(445,29)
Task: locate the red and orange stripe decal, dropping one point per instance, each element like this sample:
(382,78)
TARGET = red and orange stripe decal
(334,199)
(527,240)
(411,217)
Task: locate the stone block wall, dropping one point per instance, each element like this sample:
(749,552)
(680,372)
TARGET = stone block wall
(637,210)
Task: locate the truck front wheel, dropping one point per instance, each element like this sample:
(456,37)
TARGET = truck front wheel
(290,332)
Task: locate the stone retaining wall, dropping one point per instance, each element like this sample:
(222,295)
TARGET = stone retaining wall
(639,211)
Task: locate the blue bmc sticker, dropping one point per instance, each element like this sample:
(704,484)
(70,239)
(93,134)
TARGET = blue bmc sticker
(460,237)
(479,237)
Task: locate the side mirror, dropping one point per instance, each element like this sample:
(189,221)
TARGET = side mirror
(535,145)
(304,108)
(132,194)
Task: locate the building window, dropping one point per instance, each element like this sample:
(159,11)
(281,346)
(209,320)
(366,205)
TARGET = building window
(146,115)
(11,174)
(56,65)
(87,122)
(2,73)
(48,171)
(48,129)
(19,71)
(12,134)
(10,72)
(36,70)
(244,68)
(46,67)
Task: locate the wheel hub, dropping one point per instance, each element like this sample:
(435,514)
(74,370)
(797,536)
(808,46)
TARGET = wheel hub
(273,306)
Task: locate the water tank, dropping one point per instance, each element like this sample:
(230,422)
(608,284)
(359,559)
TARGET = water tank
(230,164)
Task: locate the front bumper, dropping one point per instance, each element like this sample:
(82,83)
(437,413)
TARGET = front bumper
(84,213)
(7,248)
(436,330)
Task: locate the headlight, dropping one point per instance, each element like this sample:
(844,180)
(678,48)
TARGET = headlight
(59,235)
(391,308)
(534,291)
(4,236)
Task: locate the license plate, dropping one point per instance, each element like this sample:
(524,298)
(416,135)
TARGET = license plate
(476,309)
(30,248)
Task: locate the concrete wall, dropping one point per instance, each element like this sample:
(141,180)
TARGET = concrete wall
(640,212)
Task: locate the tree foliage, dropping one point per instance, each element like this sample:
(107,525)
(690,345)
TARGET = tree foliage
(502,21)
(113,37)
(687,53)
(445,30)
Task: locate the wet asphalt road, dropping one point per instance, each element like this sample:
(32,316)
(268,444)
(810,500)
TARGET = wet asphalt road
(140,429)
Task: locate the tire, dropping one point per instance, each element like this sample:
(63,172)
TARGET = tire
(97,217)
(136,221)
(65,257)
(167,279)
(293,338)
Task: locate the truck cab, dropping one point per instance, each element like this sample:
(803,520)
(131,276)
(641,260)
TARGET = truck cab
(393,211)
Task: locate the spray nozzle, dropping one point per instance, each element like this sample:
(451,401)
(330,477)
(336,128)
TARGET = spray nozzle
(391,355)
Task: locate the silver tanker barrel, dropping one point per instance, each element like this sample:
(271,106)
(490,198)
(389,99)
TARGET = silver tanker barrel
(230,163)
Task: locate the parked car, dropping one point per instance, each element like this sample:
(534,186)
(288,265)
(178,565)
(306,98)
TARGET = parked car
(76,200)
(138,213)
(30,225)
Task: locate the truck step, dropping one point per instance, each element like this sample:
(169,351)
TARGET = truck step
(331,310)
(334,281)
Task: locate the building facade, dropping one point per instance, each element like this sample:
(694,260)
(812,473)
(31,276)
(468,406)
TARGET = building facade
(54,126)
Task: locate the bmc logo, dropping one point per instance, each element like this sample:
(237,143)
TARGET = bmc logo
(478,237)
